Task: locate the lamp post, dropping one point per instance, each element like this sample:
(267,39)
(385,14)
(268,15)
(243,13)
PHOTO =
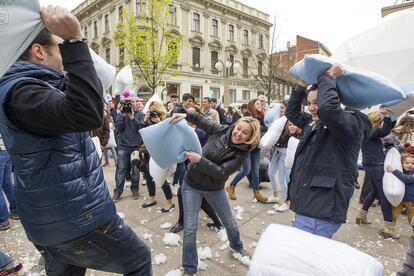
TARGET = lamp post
(219,66)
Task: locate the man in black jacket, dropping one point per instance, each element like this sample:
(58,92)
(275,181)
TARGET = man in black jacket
(220,110)
(325,166)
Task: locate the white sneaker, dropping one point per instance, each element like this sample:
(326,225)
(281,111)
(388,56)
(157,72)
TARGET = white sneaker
(272,199)
(174,189)
(283,208)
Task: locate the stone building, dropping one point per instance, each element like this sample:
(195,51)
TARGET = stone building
(214,31)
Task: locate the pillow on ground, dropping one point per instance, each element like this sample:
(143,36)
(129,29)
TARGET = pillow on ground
(272,114)
(358,89)
(167,142)
(394,189)
(283,250)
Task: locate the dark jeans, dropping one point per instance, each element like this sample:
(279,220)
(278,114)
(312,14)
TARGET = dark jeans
(366,188)
(113,247)
(6,186)
(179,174)
(251,164)
(205,206)
(122,168)
(375,174)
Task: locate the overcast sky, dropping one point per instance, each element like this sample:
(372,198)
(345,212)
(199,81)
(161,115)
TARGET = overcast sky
(327,21)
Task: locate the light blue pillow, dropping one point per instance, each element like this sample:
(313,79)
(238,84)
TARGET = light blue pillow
(407,90)
(358,89)
(272,114)
(167,142)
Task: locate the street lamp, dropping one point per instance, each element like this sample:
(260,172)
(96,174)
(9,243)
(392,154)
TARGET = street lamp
(228,64)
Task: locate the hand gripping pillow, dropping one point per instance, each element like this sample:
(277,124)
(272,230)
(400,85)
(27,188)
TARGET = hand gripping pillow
(158,174)
(291,151)
(357,88)
(106,72)
(20,23)
(394,189)
(272,114)
(273,133)
(167,142)
(283,250)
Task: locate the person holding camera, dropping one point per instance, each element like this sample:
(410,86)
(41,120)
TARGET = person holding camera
(128,123)
(156,113)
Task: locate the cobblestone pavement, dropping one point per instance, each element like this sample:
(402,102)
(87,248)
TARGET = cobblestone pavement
(254,220)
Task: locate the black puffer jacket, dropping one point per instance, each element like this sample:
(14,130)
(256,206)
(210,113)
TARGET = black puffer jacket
(325,166)
(220,158)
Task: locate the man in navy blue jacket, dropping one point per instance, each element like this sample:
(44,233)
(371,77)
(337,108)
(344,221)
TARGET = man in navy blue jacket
(51,99)
(128,124)
(325,166)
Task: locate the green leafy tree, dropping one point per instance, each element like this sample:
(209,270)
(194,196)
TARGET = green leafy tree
(149,41)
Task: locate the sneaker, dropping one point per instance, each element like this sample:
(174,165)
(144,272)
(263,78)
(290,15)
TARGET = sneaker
(15,216)
(116,198)
(243,252)
(283,208)
(174,189)
(4,225)
(273,199)
(11,268)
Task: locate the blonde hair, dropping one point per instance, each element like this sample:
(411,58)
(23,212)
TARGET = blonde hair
(375,117)
(160,108)
(255,126)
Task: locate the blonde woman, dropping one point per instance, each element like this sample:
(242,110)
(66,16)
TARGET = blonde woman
(224,153)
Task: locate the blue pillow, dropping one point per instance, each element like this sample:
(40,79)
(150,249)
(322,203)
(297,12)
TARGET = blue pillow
(272,114)
(407,90)
(358,89)
(167,143)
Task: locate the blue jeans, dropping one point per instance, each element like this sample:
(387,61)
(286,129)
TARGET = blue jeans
(122,169)
(191,202)
(4,259)
(113,247)
(251,163)
(277,166)
(316,226)
(105,154)
(6,186)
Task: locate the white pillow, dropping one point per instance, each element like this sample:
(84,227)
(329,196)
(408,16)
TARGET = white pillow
(394,189)
(272,135)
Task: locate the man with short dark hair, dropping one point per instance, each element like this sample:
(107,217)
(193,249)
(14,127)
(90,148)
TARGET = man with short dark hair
(220,110)
(188,101)
(209,112)
(51,99)
(174,99)
(325,166)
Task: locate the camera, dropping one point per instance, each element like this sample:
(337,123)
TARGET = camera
(154,114)
(126,106)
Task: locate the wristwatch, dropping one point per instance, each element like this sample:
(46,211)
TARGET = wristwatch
(74,40)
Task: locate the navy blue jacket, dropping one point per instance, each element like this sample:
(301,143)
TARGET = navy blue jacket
(128,130)
(325,166)
(408,179)
(60,189)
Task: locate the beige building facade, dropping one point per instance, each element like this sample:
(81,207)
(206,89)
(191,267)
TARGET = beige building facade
(215,31)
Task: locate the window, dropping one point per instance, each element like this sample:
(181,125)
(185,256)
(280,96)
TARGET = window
(196,92)
(108,55)
(196,57)
(214,27)
(95,29)
(86,31)
(120,13)
(260,68)
(196,22)
(214,59)
(106,20)
(232,94)
(232,65)
(173,88)
(245,66)
(260,41)
(216,92)
(173,15)
(245,37)
(140,7)
(231,33)
(246,95)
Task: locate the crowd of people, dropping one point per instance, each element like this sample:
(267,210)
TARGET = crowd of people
(53,105)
